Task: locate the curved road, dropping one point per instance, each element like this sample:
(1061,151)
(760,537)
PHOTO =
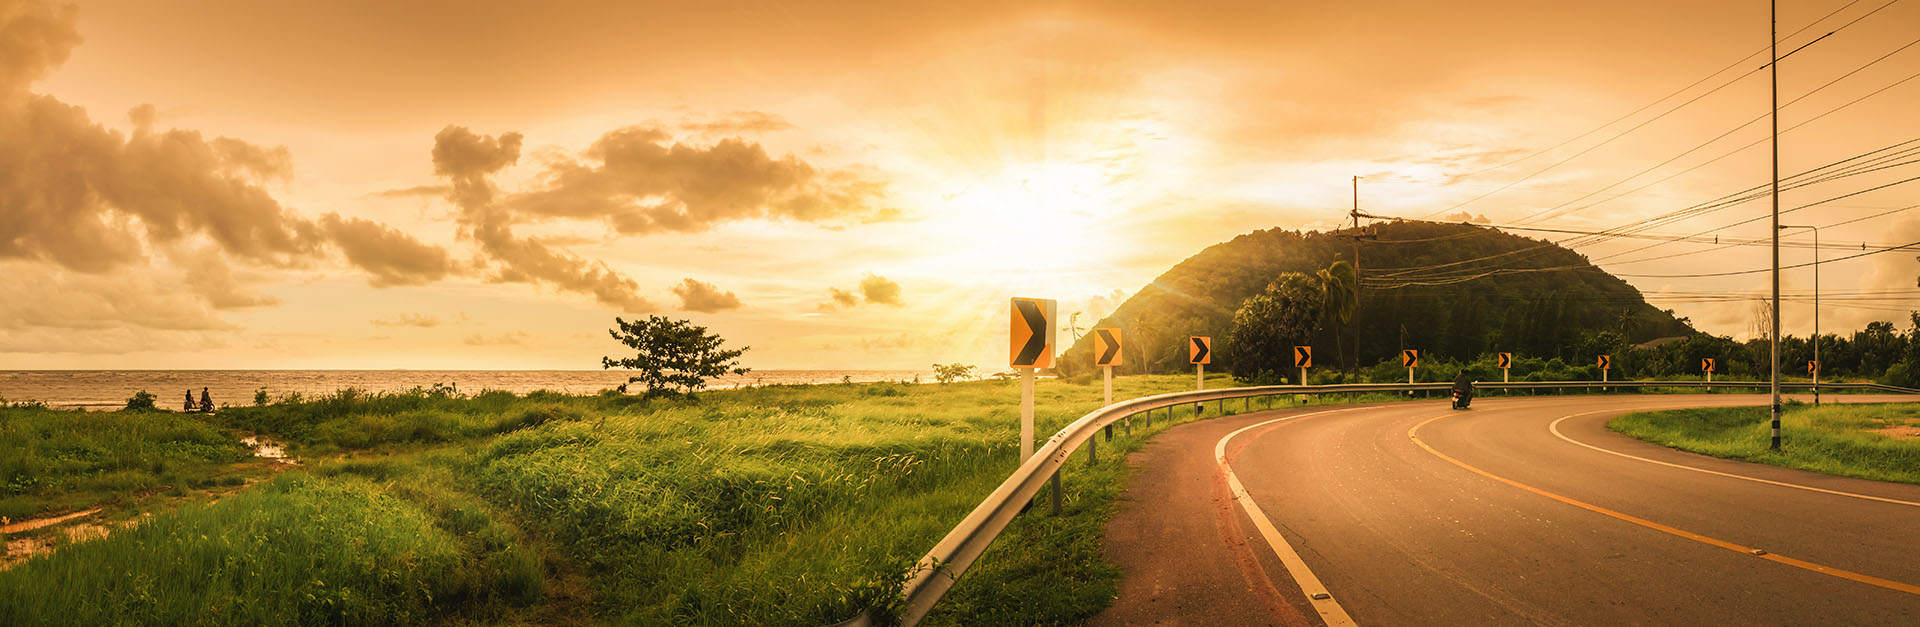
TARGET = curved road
(1521,511)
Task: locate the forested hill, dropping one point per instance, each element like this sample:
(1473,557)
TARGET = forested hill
(1548,308)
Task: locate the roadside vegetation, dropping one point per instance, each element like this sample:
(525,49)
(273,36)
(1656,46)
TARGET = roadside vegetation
(796,504)
(1868,441)
(53,461)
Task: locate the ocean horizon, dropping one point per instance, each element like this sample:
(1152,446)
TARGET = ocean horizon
(110,389)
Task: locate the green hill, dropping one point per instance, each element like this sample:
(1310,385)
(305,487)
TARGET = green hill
(1542,301)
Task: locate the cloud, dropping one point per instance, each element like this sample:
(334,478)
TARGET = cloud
(839,299)
(34,38)
(704,297)
(873,290)
(640,181)
(89,198)
(208,275)
(92,199)
(504,339)
(1098,307)
(880,290)
(410,320)
(408,192)
(1462,216)
(738,122)
(390,256)
(37,296)
(467,159)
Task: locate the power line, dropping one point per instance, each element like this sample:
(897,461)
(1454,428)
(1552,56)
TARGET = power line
(1557,209)
(1741,272)
(1729,200)
(1655,102)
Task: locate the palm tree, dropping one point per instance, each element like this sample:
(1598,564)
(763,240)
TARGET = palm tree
(1342,288)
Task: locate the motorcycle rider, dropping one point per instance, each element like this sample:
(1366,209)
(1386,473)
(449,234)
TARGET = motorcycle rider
(1463,385)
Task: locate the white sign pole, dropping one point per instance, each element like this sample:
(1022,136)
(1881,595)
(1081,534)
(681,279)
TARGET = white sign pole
(1026,414)
(1199,383)
(1107,373)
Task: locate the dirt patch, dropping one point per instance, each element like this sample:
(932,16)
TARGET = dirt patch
(1907,432)
(30,525)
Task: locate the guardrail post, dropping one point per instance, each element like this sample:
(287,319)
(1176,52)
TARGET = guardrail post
(1093,443)
(1056,493)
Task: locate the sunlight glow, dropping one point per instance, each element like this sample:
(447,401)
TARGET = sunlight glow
(1046,217)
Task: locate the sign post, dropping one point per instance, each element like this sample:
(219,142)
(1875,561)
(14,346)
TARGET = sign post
(1813,368)
(1606,364)
(1031,336)
(1200,353)
(1303,359)
(1506,367)
(1106,355)
(1411,359)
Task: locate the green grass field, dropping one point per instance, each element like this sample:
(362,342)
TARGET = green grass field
(771,505)
(1836,439)
(55,461)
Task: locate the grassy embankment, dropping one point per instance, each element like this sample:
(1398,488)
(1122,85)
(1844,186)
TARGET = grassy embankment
(55,461)
(1833,438)
(771,505)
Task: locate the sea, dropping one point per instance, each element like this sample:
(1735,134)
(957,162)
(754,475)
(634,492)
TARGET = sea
(110,389)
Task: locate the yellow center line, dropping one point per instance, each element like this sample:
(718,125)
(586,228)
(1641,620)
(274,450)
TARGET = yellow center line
(1555,428)
(1889,584)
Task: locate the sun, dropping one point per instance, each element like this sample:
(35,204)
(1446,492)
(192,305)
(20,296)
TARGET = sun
(1044,217)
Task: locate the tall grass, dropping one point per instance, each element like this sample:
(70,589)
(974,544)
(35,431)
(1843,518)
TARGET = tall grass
(1834,438)
(298,550)
(767,505)
(53,460)
(780,505)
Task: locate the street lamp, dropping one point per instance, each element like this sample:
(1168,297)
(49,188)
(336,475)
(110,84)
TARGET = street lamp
(1816,307)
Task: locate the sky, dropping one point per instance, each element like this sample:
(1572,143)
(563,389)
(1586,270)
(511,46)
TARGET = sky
(428,185)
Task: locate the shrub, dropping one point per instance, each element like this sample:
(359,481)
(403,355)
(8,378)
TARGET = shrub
(140,401)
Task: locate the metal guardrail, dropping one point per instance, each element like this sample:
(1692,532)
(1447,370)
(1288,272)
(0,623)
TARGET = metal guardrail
(942,566)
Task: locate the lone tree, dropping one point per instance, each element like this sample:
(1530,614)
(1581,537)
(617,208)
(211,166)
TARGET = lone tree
(946,373)
(675,356)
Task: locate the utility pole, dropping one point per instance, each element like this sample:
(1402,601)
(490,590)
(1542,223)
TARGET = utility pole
(1356,207)
(1773,57)
(1352,334)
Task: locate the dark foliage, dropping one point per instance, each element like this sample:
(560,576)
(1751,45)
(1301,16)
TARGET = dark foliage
(675,356)
(1547,313)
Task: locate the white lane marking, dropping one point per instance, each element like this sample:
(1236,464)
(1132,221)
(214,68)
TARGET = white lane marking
(1555,428)
(1330,611)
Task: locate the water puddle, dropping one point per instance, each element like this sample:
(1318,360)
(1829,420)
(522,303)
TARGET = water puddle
(19,550)
(268,449)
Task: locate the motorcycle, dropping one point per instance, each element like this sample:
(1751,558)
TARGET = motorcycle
(1461,399)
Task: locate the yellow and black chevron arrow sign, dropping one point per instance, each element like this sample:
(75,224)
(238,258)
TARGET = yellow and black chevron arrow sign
(1706,364)
(1031,333)
(1199,349)
(1303,356)
(1106,347)
(1606,362)
(1410,358)
(1506,360)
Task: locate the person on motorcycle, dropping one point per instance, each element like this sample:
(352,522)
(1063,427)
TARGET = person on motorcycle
(1463,385)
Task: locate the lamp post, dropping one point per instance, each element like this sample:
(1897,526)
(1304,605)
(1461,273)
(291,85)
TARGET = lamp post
(1816,306)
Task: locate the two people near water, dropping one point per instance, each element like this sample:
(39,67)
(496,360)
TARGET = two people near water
(205,404)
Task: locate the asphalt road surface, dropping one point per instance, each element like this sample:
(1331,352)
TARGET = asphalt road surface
(1520,511)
